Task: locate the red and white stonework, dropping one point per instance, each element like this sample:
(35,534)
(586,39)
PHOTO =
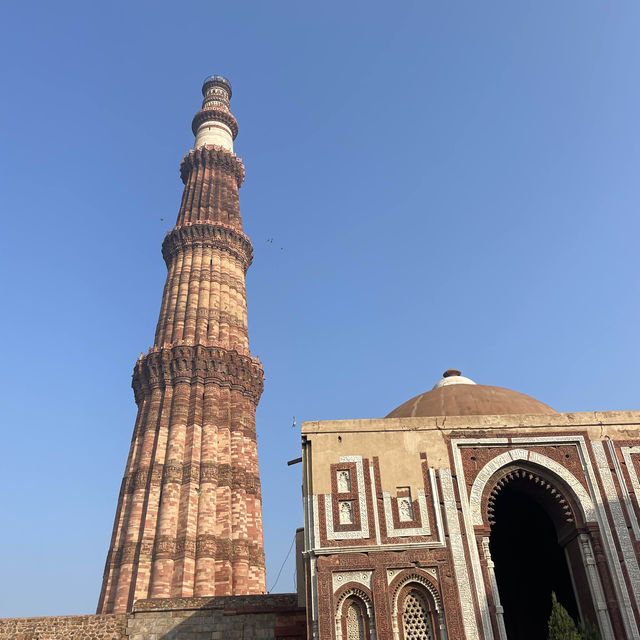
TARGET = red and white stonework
(189,520)
(399,513)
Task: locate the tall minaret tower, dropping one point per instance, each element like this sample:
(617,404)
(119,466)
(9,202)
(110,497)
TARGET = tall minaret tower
(189,515)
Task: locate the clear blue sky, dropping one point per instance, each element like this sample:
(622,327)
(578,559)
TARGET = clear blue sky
(448,184)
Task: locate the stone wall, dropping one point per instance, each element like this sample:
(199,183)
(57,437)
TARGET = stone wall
(259,617)
(98,627)
(222,618)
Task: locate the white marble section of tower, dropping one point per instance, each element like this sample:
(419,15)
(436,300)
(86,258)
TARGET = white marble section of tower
(213,126)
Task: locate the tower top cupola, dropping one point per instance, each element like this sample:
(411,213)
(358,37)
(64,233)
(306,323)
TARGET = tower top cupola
(214,124)
(218,81)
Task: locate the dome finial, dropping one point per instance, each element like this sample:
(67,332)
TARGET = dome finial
(452,376)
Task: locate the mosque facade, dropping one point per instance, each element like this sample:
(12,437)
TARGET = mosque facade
(458,515)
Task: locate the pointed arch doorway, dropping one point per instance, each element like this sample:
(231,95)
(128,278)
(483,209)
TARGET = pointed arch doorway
(535,551)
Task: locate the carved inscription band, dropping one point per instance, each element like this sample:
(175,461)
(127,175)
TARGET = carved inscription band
(247,431)
(222,475)
(204,546)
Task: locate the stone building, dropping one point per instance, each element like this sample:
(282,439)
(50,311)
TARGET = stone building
(459,513)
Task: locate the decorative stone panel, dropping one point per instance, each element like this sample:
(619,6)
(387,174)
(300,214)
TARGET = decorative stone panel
(340,578)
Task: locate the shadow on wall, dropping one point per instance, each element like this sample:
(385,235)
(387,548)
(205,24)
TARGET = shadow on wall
(258,617)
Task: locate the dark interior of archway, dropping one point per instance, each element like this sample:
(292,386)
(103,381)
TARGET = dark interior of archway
(529,564)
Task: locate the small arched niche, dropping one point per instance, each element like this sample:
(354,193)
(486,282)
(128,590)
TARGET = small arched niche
(354,616)
(417,617)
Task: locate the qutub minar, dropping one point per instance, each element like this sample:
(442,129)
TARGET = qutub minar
(189,515)
(455,517)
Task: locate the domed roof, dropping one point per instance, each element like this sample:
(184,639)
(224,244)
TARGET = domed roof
(456,395)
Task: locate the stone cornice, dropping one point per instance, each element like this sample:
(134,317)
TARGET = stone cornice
(208,234)
(226,368)
(210,156)
(215,114)
(629,421)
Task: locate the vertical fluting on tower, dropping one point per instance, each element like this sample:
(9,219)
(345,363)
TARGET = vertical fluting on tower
(189,514)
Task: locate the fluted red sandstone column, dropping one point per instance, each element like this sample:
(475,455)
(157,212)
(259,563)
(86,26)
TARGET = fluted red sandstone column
(189,515)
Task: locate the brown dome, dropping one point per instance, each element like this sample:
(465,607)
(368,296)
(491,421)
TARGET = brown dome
(469,400)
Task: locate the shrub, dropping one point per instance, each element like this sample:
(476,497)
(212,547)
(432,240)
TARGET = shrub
(561,624)
(589,631)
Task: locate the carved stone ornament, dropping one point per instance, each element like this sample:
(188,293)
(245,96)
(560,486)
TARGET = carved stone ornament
(363,531)
(341,578)
(405,509)
(172,472)
(344,481)
(392,573)
(345,509)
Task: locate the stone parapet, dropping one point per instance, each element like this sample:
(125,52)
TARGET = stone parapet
(93,627)
(259,617)
(231,604)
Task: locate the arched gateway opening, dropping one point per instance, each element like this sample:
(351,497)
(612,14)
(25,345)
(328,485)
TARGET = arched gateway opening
(532,524)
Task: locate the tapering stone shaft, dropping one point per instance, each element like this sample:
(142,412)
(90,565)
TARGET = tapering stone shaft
(189,514)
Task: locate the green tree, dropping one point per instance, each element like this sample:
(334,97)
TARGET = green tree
(589,631)
(561,624)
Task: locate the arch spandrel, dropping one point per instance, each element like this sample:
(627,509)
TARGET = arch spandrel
(539,464)
(352,588)
(419,577)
